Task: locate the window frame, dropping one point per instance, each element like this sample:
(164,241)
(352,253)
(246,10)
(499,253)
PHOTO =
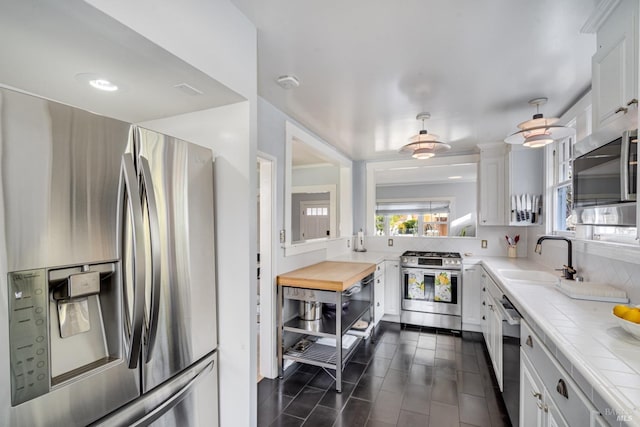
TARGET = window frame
(553,177)
(420,217)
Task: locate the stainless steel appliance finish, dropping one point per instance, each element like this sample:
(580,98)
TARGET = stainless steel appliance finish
(510,358)
(431,289)
(605,183)
(107,270)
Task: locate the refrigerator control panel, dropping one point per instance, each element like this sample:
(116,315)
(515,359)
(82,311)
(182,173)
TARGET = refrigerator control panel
(28,332)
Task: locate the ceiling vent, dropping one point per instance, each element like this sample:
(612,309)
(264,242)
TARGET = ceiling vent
(188,89)
(288,82)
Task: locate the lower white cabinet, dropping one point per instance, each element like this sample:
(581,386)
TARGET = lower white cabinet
(472,298)
(392,287)
(491,323)
(549,397)
(379,293)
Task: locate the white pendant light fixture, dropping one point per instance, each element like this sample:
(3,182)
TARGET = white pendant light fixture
(539,131)
(424,145)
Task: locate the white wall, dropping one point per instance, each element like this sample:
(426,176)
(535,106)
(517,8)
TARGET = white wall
(216,38)
(271,140)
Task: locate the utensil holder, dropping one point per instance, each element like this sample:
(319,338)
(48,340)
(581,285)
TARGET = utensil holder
(512,251)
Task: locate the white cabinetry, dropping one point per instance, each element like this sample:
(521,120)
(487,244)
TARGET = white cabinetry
(549,397)
(492,324)
(379,293)
(492,184)
(615,66)
(471,297)
(392,288)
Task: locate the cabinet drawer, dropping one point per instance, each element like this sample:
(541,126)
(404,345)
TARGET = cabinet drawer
(571,402)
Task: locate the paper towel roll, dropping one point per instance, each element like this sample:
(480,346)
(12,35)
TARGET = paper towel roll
(360,241)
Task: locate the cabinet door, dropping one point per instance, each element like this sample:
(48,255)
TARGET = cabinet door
(495,328)
(530,395)
(379,289)
(492,189)
(471,296)
(554,418)
(392,288)
(615,67)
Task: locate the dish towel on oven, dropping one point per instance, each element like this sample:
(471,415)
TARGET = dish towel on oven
(415,288)
(442,286)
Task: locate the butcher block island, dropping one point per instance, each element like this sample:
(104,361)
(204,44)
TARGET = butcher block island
(327,275)
(342,292)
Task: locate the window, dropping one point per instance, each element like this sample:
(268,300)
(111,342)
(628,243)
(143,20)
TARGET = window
(562,203)
(424,218)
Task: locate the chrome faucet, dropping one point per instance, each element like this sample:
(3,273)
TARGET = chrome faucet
(567,271)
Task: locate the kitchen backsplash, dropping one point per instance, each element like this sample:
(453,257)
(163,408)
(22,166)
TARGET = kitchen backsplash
(495,237)
(600,262)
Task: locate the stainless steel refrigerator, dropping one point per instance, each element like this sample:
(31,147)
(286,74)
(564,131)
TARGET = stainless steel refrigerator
(108,306)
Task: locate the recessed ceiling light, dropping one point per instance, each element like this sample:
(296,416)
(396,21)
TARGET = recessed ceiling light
(103,84)
(97,81)
(455,177)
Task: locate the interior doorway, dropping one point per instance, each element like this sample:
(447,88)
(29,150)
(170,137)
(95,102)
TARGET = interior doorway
(314,219)
(266,281)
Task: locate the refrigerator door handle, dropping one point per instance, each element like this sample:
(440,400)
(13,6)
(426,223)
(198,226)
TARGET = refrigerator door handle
(130,193)
(154,231)
(172,401)
(174,391)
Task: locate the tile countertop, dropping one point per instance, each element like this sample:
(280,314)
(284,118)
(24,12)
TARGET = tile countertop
(600,356)
(372,257)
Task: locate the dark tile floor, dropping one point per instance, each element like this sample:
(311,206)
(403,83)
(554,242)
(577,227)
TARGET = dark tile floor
(407,377)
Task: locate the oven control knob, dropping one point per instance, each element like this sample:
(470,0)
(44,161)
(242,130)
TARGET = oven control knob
(404,260)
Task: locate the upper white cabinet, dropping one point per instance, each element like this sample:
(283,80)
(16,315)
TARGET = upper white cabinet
(615,66)
(511,179)
(492,184)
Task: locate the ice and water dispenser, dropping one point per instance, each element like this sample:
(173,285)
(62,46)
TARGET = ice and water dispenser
(63,323)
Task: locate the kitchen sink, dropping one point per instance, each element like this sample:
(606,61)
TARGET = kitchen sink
(529,276)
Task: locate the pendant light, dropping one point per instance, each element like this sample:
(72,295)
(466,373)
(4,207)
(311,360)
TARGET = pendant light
(539,131)
(424,145)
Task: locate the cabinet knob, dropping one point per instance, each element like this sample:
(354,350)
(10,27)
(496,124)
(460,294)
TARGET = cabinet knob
(529,341)
(633,101)
(483,318)
(561,388)
(378,281)
(378,304)
(484,289)
(621,110)
(536,394)
(484,303)
(484,220)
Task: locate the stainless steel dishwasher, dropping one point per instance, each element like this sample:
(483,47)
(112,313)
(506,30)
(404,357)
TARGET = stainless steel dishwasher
(510,358)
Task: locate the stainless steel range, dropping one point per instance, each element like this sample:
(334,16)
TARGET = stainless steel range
(431,289)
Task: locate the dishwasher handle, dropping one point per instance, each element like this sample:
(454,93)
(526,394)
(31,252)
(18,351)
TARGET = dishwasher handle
(508,312)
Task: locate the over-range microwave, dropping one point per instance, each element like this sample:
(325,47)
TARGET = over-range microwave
(605,182)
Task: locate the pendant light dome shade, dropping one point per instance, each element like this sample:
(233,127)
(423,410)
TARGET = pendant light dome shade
(424,145)
(539,131)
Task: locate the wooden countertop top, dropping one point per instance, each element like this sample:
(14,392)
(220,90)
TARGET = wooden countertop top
(327,275)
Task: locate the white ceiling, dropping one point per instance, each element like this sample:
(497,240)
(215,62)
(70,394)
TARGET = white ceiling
(45,44)
(368,67)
